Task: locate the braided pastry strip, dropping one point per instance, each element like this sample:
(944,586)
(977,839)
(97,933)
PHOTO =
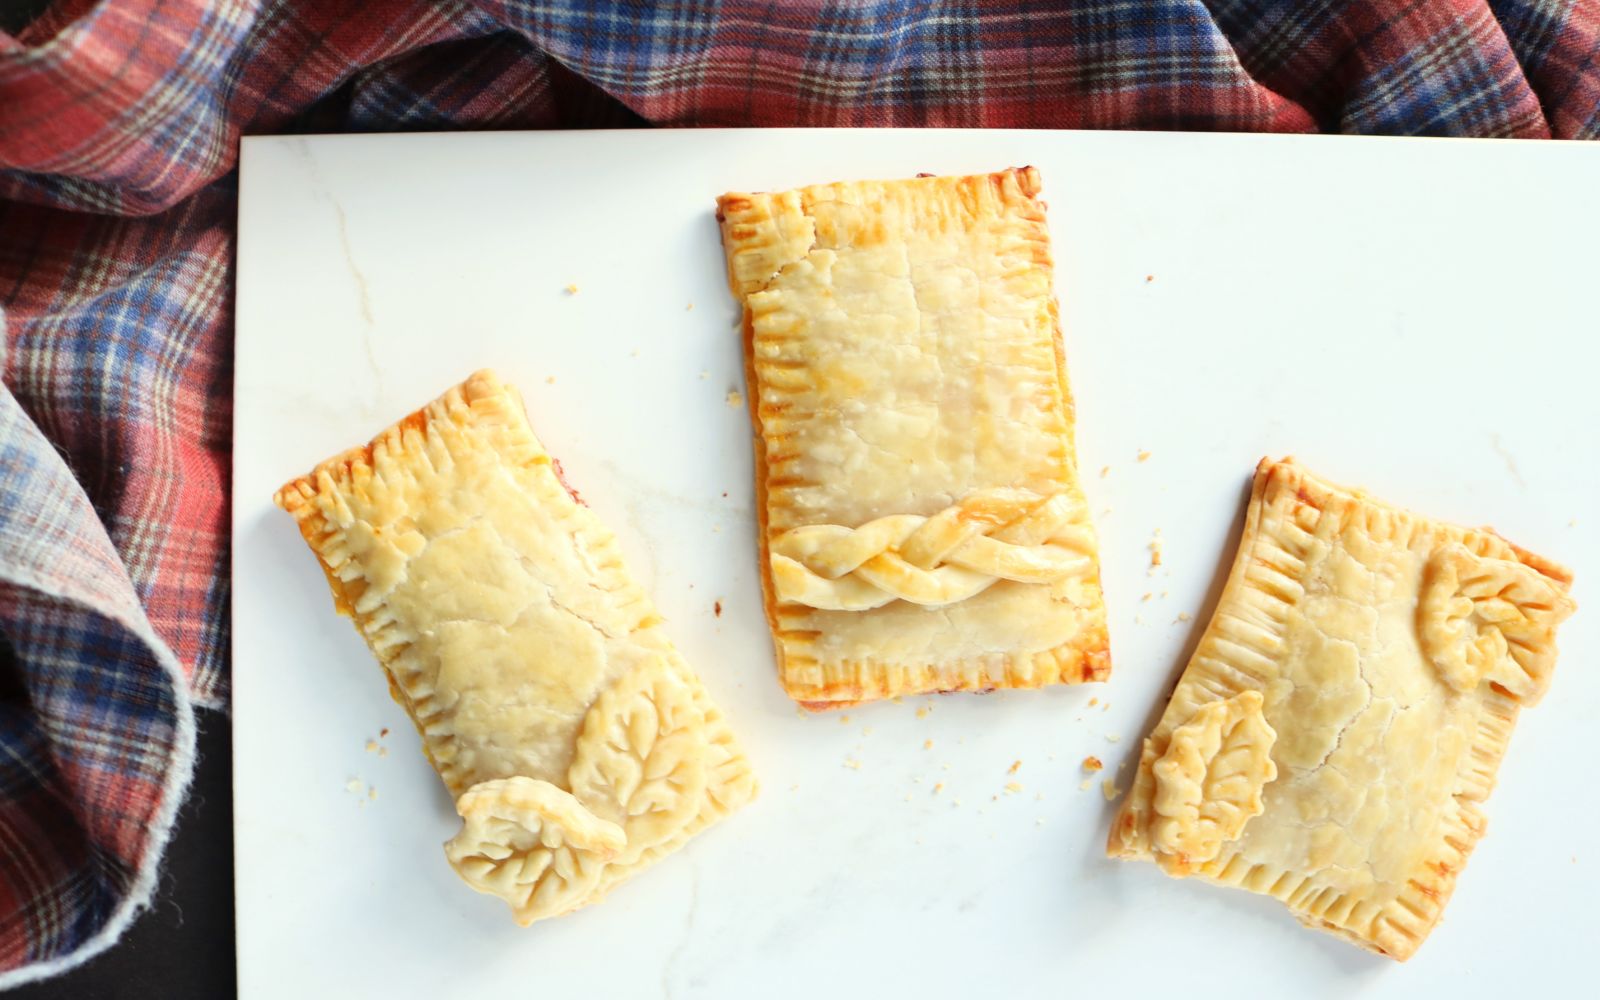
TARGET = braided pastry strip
(987,536)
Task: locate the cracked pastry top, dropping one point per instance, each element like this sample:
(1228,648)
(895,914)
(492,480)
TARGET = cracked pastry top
(921,523)
(1334,736)
(578,746)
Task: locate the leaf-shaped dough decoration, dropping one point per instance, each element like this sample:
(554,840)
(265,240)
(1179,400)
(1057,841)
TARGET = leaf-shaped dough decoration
(1482,619)
(532,844)
(1209,782)
(641,756)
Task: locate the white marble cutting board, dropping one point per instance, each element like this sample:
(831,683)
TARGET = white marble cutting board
(1417,317)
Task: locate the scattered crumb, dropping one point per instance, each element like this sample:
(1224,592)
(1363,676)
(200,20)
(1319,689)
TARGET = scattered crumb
(689,307)
(945,766)
(1105,470)
(1109,789)
(1163,593)
(383,732)
(352,786)
(866,731)
(1149,278)
(852,763)
(372,793)
(1084,785)
(383,751)
(1146,596)
(735,398)
(1092,764)
(1155,552)
(992,798)
(1144,456)
(372,746)
(1013,787)
(724,494)
(955,802)
(1014,766)
(1093,702)
(844,720)
(1113,738)
(1183,616)
(571,289)
(922,713)
(927,744)
(1106,706)
(549,380)
(938,788)
(716,608)
(896,699)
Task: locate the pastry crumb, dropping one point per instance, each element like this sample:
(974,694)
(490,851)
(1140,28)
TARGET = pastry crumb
(1163,593)
(955,802)
(1113,738)
(1155,552)
(1183,616)
(383,732)
(372,746)
(852,763)
(689,307)
(571,289)
(383,751)
(1013,787)
(1105,470)
(735,398)
(352,786)
(866,730)
(1106,706)
(922,713)
(1092,763)
(945,766)
(372,793)
(1093,702)
(1014,766)
(549,380)
(1146,596)
(1109,789)
(1144,456)
(844,720)
(1149,278)
(897,699)
(1084,785)
(937,788)
(716,608)
(927,744)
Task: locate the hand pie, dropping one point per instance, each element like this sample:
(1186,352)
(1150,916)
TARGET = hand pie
(922,527)
(577,744)
(1346,710)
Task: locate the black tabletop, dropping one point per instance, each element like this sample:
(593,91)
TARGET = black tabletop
(182,946)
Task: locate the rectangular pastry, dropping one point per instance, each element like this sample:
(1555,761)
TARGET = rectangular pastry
(577,745)
(921,522)
(1341,722)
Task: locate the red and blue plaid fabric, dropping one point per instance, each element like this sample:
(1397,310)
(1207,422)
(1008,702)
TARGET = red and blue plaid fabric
(119,127)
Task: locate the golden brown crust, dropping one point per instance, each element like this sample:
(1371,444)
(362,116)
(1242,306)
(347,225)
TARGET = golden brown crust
(578,744)
(835,279)
(1321,615)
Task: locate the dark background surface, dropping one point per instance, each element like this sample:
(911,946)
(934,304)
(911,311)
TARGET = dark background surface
(181,947)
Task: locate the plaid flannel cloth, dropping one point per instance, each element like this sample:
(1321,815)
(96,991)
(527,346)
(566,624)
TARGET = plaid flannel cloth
(119,123)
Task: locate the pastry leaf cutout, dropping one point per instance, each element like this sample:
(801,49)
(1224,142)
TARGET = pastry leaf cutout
(1209,782)
(532,844)
(989,535)
(637,779)
(1482,619)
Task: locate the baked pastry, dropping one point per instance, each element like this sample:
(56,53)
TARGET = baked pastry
(1343,717)
(577,745)
(921,523)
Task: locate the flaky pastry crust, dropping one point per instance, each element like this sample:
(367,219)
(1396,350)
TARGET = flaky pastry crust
(577,744)
(1389,655)
(921,522)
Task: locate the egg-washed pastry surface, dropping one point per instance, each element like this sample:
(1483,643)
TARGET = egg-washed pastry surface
(1334,736)
(577,744)
(921,522)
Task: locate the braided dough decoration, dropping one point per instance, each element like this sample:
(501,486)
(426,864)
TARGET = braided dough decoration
(1490,619)
(1208,783)
(989,535)
(637,781)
